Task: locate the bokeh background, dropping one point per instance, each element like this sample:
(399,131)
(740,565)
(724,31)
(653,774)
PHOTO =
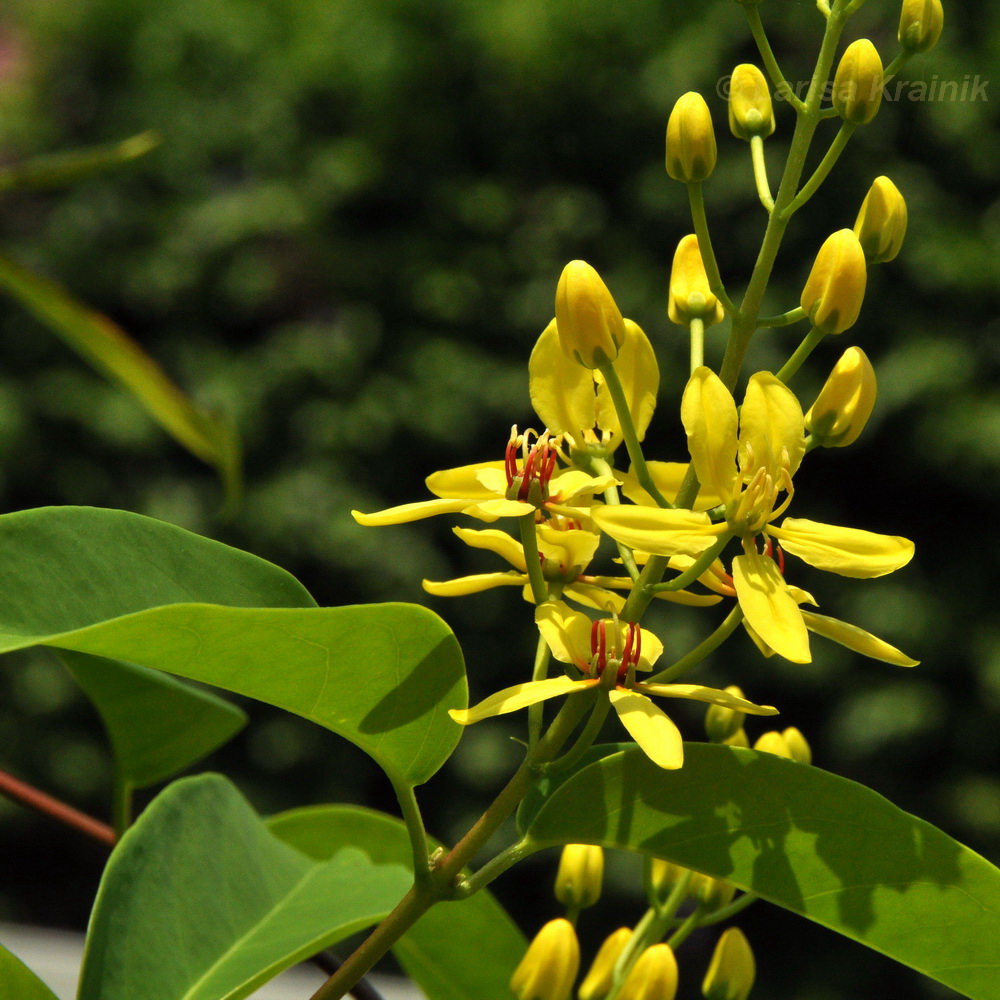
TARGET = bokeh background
(349,241)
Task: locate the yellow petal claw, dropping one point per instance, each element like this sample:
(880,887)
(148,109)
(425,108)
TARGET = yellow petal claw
(847,551)
(654,731)
(713,696)
(708,413)
(857,639)
(769,608)
(661,532)
(517,697)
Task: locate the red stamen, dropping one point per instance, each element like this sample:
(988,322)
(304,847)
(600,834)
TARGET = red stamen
(593,639)
(602,648)
(781,560)
(626,655)
(510,461)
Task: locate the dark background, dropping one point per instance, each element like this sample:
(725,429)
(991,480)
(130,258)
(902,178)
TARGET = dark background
(349,242)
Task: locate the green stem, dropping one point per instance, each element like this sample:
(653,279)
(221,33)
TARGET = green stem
(784,319)
(602,467)
(702,650)
(822,171)
(406,796)
(532,561)
(728,912)
(585,740)
(745,324)
(494,868)
(121,804)
(442,884)
(635,455)
(794,363)
(683,932)
(781,85)
(698,567)
(895,66)
(760,172)
(697,334)
(705,247)
(538,673)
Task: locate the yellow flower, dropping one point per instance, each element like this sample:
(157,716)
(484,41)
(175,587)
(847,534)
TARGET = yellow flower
(608,653)
(549,967)
(510,488)
(566,549)
(573,401)
(750,460)
(732,971)
(691,149)
(857,85)
(591,328)
(750,109)
(691,296)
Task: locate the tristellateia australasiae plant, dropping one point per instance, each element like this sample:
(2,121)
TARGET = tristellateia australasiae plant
(710,531)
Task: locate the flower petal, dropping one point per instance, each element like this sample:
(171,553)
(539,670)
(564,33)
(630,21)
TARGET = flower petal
(562,391)
(667,477)
(519,696)
(566,632)
(651,650)
(715,577)
(490,510)
(847,551)
(688,599)
(661,532)
(463,481)
(494,540)
(698,692)
(856,638)
(654,731)
(708,413)
(569,547)
(493,480)
(573,482)
(591,596)
(640,377)
(769,607)
(771,421)
(476,584)
(410,512)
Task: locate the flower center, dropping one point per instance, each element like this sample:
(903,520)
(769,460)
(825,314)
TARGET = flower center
(528,480)
(619,651)
(751,510)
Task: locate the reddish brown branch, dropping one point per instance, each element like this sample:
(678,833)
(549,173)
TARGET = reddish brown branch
(48,806)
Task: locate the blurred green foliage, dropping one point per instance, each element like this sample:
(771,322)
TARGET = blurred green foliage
(349,241)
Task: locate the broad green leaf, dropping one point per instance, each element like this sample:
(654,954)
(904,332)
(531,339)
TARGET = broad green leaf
(199,901)
(383,676)
(18,982)
(444,951)
(107,347)
(815,843)
(157,724)
(60,169)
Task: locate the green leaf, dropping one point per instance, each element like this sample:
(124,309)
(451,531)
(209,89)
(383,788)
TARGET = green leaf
(105,346)
(60,169)
(18,982)
(383,676)
(444,951)
(157,725)
(812,842)
(199,901)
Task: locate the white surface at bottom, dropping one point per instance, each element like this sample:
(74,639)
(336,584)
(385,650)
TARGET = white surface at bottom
(54,956)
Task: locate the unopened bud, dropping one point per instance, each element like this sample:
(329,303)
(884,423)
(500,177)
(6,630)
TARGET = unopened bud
(845,402)
(774,742)
(581,869)
(599,980)
(549,967)
(589,323)
(835,288)
(732,970)
(750,110)
(738,739)
(857,86)
(653,977)
(798,745)
(691,151)
(710,893)
(691,297)
(920,24)
(881,223)
(722,723)
(663,877)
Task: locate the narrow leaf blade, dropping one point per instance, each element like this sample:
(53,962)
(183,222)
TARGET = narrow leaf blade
(18,982)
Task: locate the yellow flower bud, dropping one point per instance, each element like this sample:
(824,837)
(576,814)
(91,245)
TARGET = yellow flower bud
(581,869)
(653,977)
(732,970)
(774,742)
(835,288)
(663,876)
(750,109)
(738,739)
(920,24)
(690,295)
(711,893)
(549,967)
(721,723)
(589,323)
(797,744)
(881,223)
(845,402)
(691,151)
(598,981)
(857,87)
